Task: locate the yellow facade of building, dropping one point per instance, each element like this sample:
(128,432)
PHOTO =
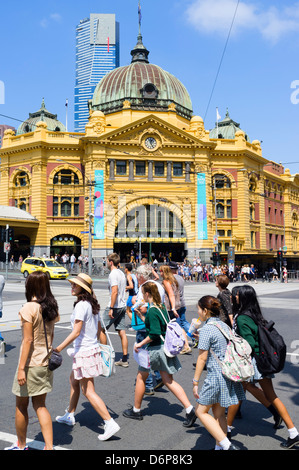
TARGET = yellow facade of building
(150,161)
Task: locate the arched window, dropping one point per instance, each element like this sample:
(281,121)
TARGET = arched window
(66,177)
(221,181)
(21,179)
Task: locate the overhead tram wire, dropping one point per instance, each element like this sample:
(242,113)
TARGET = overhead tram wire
(221,60)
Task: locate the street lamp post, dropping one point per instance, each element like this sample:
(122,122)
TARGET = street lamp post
(90,227)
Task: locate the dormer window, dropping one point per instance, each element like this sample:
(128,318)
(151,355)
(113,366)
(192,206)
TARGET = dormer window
(149,91)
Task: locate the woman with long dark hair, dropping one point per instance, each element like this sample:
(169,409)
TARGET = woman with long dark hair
(33,378)
(87,363)
(217,392)
(247,317)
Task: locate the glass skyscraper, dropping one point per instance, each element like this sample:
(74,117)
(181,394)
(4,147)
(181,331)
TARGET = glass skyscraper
(97,53)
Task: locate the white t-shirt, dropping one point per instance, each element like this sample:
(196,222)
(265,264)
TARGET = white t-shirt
(139,298)
(88,336)
(117,278)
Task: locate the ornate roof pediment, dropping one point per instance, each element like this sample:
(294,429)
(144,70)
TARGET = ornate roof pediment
(166,135)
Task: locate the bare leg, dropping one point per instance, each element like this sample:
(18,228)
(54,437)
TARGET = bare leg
(124,341)
(21,420)
(269,391)
(175,388)
(87,386)
(44,418)
(74,393)
(210,423)
(140,388)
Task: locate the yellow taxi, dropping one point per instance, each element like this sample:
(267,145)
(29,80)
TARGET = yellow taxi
(49,266)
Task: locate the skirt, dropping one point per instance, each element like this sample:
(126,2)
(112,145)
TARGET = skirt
(218,389)
(159,361)
(39,380)
(257,374)
(87,364)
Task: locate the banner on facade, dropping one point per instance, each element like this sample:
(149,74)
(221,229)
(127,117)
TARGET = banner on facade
(202,225)
(99,220)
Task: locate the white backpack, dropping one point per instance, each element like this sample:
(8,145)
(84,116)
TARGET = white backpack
(237,363)
(174,341)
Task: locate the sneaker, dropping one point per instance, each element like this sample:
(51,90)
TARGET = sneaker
(190,419)
(159,384)
(122,364)
(290,442)
(110,428)
(233,447)
(67,418)
(186,351)
(15,447)
(130,413)
(149,391)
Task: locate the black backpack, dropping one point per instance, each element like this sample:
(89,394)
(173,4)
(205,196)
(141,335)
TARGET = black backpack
(272,349)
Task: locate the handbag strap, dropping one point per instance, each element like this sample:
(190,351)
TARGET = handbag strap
(106,331)
(46,335)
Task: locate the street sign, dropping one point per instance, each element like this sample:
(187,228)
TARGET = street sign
(215,240)
(285,248)
(6,247)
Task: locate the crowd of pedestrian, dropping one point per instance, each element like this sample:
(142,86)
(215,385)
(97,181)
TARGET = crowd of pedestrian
(156,299)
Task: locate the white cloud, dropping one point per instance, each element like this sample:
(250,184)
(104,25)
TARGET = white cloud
(215,17)
(44,23)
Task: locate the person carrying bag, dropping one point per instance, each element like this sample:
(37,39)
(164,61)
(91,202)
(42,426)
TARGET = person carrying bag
(33,377)
(167,366)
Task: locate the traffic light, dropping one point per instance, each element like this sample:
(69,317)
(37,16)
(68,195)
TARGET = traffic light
(136,245)
(215,257)
(10,235)
(3,234)
(280,255)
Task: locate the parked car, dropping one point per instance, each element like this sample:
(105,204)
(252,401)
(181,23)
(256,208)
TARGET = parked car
(53,269)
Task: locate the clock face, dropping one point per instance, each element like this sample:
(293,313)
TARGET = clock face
(150,143)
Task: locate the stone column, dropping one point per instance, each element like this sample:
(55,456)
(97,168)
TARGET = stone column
(111,169)
(187,172)
(150,170)
(131,170)
(168,178)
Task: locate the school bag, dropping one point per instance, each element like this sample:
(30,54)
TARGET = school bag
(272,349)
(237,363)
(136,322)
(174,340)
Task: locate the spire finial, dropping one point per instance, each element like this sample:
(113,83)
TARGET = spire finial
(140,52)
(139,16)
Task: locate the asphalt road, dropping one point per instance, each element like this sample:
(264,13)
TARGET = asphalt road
(161,429)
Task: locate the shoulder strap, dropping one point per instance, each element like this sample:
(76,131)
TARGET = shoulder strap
(215,323)
(45,334)
(163,339)
(106,332)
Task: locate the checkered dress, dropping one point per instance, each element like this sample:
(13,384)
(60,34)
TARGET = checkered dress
(217,388)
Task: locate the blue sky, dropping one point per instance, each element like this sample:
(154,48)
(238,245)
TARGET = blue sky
(186,38)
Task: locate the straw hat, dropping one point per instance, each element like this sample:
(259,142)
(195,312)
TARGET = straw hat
(83,280)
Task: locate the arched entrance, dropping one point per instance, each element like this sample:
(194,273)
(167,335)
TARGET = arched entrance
(158,229)
(65,243)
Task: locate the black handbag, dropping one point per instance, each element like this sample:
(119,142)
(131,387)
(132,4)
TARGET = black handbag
(55,358)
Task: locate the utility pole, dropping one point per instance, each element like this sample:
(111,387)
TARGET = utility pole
(6,255)
(216,228)
(90,228)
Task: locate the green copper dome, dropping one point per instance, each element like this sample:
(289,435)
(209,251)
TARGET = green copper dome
(41,115)
(227,129)
(146,86)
